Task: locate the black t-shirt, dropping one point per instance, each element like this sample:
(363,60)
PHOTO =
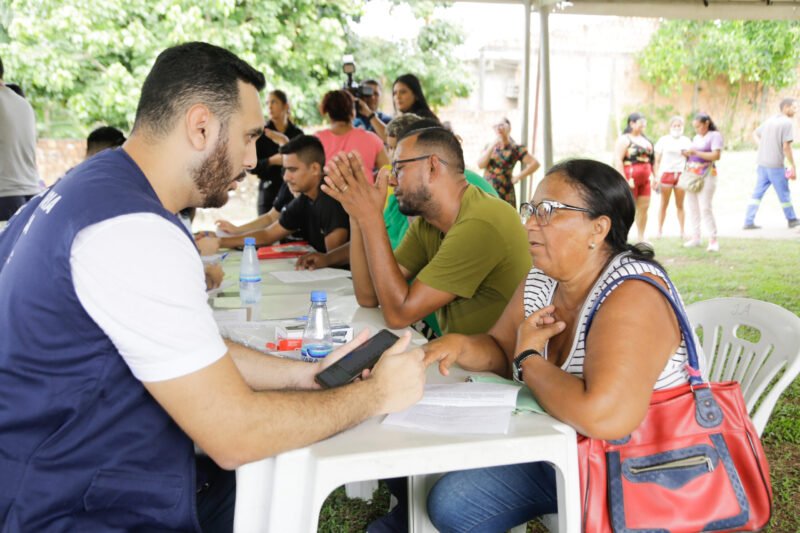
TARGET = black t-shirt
(266,148)
(314,219)
(283,198)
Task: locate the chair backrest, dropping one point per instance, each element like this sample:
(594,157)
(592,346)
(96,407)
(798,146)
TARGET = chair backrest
(749,341)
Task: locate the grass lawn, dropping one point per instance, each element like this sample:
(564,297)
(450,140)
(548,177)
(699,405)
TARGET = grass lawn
(761,269)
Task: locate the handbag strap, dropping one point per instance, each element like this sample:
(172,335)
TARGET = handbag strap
(695,377)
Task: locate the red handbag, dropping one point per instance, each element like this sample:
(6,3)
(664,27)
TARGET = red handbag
(695,463)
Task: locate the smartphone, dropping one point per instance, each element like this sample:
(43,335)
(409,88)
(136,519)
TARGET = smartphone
(351,365)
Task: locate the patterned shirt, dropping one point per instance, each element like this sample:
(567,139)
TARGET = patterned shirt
(539,290)
(500,168)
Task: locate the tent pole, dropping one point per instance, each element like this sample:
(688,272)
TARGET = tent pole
(526,65)
(547,126)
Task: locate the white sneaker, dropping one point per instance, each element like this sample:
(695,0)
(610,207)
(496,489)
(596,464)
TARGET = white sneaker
(713,246)
(693,243)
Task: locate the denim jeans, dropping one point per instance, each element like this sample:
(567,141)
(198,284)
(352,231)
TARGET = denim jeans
(492,499)
(776,177)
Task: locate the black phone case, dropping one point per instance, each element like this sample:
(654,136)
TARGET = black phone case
(351,365)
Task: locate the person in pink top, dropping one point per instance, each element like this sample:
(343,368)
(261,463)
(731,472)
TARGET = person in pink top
(339,107)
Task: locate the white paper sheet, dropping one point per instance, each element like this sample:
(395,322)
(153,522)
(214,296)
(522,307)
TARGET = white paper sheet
(228,283)
(460,408)
(227,316)
(306,276)
(470,395)
(453,420)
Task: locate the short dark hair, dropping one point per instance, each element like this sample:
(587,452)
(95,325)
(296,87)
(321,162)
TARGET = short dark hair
(786,102)
(437,137)
(189,74)
(605,193)
(102,138)
(308,148)
(16,88)
(338,105)
(372,82)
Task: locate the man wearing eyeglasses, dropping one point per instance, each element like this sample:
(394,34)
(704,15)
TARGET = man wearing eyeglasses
(466,251)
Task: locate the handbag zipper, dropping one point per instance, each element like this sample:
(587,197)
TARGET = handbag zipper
(696,460)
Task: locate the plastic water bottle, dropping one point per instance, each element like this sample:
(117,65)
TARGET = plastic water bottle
(250,276)
(317,338)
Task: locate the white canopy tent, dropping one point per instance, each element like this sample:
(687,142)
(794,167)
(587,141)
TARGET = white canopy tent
(675,9)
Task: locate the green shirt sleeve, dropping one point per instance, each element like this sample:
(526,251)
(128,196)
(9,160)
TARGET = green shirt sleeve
(410,253)
(458,267)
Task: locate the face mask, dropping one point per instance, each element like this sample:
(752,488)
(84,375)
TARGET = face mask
(676,132)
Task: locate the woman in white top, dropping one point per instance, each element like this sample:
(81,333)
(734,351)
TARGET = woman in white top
(667,169)
(599,382)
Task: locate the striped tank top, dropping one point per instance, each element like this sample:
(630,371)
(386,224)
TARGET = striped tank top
(539,290)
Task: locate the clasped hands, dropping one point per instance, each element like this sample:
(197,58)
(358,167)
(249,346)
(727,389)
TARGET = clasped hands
(346,183)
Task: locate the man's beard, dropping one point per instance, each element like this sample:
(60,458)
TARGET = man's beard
(414,203)
(213,177)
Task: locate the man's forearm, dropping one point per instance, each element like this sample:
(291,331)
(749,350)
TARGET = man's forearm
(338,256)
(362,281)
(390,285)
(267,372)
(787,152)
(263,237)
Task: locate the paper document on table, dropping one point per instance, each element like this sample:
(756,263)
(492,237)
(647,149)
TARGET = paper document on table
(306,276)
(460,408)
(470,395)
(228,316)
(453,420)
(227,284)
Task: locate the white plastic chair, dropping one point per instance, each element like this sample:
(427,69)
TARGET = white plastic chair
(743,340)
(749,341)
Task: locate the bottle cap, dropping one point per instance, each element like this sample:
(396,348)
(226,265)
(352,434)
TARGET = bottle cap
(319,296)
(249,241)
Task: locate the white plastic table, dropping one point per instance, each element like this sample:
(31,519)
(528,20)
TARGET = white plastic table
(284,494)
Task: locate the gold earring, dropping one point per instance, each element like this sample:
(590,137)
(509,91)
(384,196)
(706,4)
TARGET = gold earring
(591,246)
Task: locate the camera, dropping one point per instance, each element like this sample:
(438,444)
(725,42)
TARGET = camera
(358,90)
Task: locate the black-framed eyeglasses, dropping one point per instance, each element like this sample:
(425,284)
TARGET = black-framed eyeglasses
(543,211)
(395,169)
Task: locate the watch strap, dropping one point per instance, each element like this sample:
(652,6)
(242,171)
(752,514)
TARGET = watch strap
(518,360)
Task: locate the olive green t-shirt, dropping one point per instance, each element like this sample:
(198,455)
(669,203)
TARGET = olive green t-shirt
(482,260)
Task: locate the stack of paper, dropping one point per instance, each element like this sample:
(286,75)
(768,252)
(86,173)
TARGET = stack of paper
(460,408)
(307,276)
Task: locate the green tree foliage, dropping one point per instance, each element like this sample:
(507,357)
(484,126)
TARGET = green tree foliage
(429,56)
(752,51)
(82,64)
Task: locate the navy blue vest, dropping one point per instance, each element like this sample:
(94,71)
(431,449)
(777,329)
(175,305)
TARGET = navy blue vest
(83,446)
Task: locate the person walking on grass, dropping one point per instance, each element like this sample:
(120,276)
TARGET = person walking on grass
(774,138)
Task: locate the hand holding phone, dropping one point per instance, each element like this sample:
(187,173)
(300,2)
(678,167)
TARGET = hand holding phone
(351,365)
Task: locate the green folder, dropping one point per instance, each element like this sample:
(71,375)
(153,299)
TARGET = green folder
(525,399)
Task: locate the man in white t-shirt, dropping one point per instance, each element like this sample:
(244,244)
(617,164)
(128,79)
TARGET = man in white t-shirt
(667,170)
(111,364)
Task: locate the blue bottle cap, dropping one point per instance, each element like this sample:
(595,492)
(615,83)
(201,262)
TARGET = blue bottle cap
(319,296)
(249,241)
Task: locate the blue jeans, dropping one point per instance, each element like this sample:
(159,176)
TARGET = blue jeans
(492,499)
(777,178)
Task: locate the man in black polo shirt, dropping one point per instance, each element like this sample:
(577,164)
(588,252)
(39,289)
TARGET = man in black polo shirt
(320,220)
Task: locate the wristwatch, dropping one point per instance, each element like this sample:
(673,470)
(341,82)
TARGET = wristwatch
(516,367)
(371,117)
